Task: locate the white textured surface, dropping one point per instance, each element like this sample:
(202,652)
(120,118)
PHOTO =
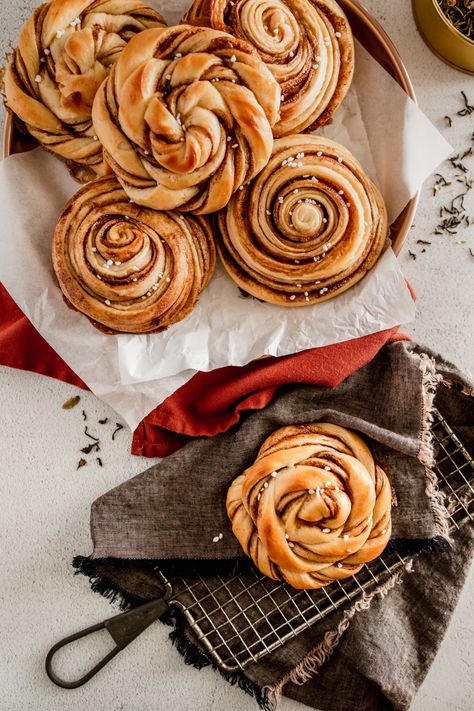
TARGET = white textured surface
(45,502)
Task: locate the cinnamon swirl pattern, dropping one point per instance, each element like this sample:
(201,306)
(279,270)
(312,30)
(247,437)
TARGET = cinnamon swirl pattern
(186,117)
(306,44)
(130,269)
(64,53)
(313,508)
(310,226)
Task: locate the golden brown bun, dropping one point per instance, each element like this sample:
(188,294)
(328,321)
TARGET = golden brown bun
(309,227)
(64,52)
(313,508)
(186,117)
(306,44)
(127,268)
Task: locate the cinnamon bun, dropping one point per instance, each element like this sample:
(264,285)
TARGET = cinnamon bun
(186,117)
(64,52)
(130,269)
(313,508)
(310,226)
(306,44)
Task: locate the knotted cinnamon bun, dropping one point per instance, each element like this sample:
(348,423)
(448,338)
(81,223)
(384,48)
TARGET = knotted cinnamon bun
(186,117)
(306,44)
(130,269)
(313,508)
(64,53)
(310,226)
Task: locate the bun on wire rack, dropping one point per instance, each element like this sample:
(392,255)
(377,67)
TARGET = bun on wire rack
(314,506)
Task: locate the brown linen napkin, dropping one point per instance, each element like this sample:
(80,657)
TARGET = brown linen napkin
(176,508)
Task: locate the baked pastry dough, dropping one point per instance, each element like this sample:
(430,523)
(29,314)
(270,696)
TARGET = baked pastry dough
(306,44)
(186,117)
(130,269)
(313,508)
(311,225)
(64,53)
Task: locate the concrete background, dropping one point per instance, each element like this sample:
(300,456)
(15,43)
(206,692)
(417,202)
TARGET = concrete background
(45,501)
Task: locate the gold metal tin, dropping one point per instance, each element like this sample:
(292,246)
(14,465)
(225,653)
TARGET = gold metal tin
(442,37)
(368,31)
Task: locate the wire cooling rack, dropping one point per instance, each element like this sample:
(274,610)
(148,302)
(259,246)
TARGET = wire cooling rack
(243,615)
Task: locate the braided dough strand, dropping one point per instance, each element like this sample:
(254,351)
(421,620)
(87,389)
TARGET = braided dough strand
(313,508)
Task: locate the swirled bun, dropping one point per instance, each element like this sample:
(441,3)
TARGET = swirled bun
(306,44)
(313,508)
(309,227)
(186,117)
(64,52)
(127,268)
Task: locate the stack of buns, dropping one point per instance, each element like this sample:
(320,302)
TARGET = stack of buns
(209,117)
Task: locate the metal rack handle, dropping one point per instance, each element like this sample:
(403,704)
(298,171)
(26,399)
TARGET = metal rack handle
(123,629)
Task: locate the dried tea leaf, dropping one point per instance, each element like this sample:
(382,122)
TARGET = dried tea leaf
(81,463)
(104,421)
(94,447)
(88,434)
(72,402)
(118,427)
(99,460)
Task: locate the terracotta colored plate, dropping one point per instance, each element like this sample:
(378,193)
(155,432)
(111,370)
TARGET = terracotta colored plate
(375,40)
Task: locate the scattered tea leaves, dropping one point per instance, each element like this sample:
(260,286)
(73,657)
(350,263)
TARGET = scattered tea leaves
(72,402)
(118,427)
(412,254)
(449,120)
(453,215)
(422,241)
(441,182)
(94,446)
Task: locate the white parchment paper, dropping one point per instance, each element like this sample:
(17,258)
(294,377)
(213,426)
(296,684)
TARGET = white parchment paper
(135,373)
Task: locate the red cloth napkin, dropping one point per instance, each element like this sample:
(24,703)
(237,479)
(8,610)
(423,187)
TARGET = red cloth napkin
(210,402)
